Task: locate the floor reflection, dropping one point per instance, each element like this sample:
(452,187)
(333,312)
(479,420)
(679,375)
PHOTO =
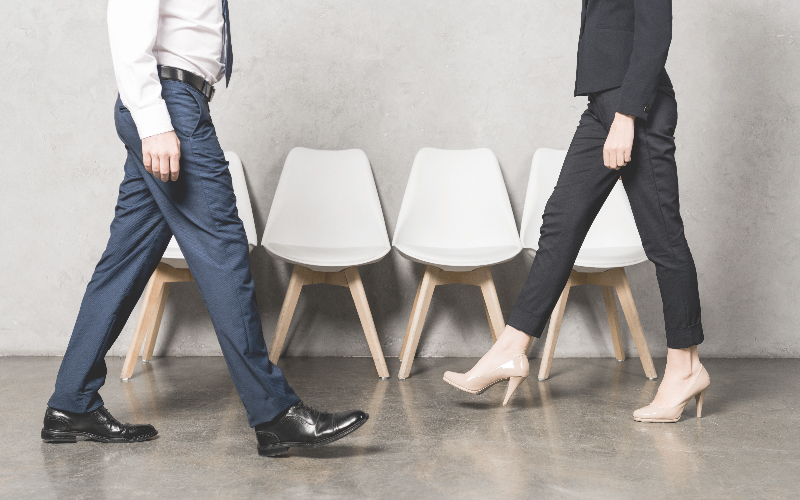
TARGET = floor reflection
(150,391)
(76,473)
(473,436)
(571,436)
(677,459)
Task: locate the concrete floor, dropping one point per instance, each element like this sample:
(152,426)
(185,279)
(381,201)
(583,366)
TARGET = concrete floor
(569,437)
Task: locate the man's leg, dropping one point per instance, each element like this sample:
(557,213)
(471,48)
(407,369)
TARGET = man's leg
(139,236)
(200,208)
(582,188)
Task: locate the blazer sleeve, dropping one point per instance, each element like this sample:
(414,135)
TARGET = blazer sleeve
(652,36)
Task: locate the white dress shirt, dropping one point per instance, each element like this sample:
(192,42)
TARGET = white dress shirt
(185,34)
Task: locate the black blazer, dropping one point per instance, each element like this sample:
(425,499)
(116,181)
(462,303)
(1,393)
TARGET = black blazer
(624,43)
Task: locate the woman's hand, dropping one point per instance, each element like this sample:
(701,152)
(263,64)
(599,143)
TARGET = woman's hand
(617,150)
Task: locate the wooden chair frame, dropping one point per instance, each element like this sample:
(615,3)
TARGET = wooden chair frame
(432,278)
(155,299)
(349,278)
(611,281)
(149,321)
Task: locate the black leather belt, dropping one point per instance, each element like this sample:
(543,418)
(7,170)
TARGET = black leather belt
(196,81)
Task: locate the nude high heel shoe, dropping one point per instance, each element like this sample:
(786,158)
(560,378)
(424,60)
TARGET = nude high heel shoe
(697,390)
(515,370)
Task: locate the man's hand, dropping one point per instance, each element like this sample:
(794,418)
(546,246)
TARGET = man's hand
(161,154)
(617,150)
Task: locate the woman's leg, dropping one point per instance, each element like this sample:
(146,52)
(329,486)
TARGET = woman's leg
(682,366)
(582,188)
(651,181)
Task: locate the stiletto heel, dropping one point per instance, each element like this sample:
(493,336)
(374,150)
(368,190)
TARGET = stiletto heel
(699,400)
(513,383)
(515,370)
(697,390)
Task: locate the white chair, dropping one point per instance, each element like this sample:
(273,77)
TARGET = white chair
(173,269)
(456,219)
(612,243)
(326,219)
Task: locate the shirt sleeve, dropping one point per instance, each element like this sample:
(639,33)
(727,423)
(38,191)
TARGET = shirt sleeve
(652,36)
(132,29)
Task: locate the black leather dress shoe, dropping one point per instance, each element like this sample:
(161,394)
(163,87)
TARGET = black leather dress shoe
(99,425)
(300,425)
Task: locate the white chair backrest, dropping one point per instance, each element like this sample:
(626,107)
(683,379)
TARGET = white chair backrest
(326,199)
(243,205)
(456,199)
(613,227)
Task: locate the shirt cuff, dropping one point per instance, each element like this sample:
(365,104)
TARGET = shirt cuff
(152,120)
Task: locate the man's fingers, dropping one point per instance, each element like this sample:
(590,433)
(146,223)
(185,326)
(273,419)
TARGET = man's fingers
(164,173)
(606,158)
(174,166)
(161,154)
(627,156)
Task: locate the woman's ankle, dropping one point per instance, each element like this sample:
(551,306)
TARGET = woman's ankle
(512,340)
(682,362)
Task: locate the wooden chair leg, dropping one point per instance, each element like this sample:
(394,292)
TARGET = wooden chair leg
(489,318)
(613,321)
(417,321)
(492,304)
(552,333)
(145,313)
(634,324)
(408,327)
(152,330)
(367,323)
(296,282)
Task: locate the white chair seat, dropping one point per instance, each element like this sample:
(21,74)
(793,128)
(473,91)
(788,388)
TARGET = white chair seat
(456,214)
(327,259)
(458,259)
(326,214)
(601,258)
(174,257)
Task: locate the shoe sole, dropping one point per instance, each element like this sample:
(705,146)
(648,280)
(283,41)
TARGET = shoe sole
(657,420)
(277,449)
(50,436)
(478,392)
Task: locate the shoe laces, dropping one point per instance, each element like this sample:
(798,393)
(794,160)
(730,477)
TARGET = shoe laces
(103,410)
(108,416)
(310,410)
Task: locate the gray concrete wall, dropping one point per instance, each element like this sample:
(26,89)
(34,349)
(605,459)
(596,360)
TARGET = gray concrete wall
(391,77)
